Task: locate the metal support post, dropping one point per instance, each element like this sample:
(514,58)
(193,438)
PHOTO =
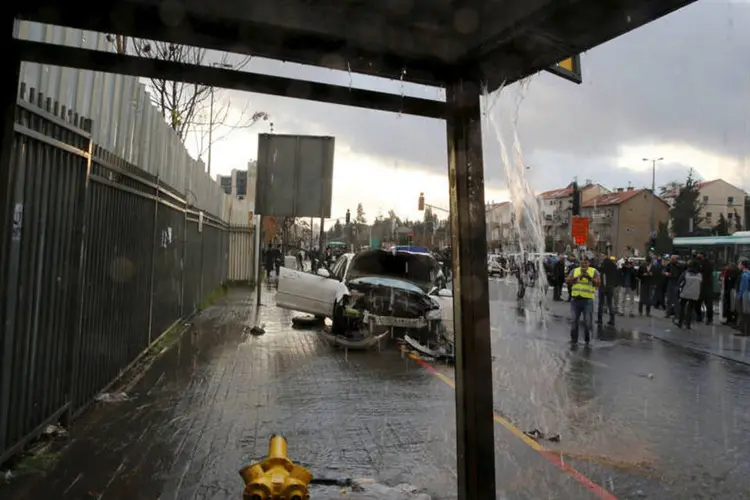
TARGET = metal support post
(471,311)
(258,270)
(322,236)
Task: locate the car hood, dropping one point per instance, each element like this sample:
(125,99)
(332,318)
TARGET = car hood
(417,269)
(387,282)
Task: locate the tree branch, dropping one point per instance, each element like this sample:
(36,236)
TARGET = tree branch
(186,106)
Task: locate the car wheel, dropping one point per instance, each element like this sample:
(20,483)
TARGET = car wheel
(338,321)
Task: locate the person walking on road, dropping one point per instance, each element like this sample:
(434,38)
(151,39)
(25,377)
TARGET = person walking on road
(707,290)
(627,290)
(559,273)
(729,282)
(672,274)
(570,264)
(689,287)
(660,283)
(583,281)
(645,280)
(609,276)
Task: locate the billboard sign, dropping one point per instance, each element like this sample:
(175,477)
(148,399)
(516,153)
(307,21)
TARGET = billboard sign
(295,175)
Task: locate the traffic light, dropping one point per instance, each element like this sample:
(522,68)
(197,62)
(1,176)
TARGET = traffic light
(576,200)
(652,246)
(348,216)
(421,202)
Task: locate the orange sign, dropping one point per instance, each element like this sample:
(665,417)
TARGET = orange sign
(580,230)
(270,227)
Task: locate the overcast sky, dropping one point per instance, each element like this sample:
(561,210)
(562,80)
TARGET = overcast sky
(676,88)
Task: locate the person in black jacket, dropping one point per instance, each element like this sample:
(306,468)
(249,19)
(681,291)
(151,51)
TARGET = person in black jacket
(559,273)
(645,280)
(660,283)
(672,273)
(610,279)
(707,290)
(730,283)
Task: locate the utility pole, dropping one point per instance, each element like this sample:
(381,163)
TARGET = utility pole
(211,116)
(653,161)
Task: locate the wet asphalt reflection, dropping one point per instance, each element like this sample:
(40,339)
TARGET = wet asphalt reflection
(640,417)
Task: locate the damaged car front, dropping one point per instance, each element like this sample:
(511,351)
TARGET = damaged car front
(371,294)
(391,291)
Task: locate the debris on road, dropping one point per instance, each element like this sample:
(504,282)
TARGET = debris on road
(307,321)
(56,431)
(258,329)
(440,354)
(112,397)
(537,435)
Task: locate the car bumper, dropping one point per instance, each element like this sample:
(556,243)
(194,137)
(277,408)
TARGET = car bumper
(396,322)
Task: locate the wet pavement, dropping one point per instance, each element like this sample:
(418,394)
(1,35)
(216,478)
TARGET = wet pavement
(717,340)
(639,416)
(650,411)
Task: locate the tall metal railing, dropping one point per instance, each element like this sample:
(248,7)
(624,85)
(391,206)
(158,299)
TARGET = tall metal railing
(102,259)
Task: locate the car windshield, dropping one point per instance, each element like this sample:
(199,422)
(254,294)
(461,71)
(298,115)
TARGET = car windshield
(420,269)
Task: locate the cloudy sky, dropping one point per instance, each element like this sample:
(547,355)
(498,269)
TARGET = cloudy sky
(676,88)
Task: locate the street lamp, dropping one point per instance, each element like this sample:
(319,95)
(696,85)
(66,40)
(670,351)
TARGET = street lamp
(211,115)
(653,191)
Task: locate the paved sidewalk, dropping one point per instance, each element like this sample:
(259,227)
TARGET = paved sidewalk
(209,405)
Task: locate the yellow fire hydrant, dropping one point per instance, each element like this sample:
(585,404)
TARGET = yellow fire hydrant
(276,477)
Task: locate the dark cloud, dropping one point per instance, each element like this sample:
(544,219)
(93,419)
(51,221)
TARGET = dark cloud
(676,80)
(679,80)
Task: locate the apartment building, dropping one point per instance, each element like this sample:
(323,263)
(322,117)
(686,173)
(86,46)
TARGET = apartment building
(499,218)
(620,220)
(717,197)
(240,183)
(556,207)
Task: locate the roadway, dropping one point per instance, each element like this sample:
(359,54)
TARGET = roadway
(637,417)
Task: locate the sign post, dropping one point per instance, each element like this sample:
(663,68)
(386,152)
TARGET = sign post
(580,230)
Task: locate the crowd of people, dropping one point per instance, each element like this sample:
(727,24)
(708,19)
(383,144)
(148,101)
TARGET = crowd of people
(683,290)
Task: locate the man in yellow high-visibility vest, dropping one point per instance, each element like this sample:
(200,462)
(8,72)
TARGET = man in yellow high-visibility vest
(583,280)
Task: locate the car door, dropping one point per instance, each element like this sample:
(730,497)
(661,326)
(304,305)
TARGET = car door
(306,292)
(446,312)
(446,306)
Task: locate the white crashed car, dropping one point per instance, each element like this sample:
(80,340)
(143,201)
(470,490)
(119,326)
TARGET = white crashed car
(493,265)
(374,291)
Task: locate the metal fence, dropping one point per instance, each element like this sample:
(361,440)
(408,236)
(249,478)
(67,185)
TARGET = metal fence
(127,123)
(241,254)
(101,260)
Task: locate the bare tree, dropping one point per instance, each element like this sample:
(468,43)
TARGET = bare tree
(191,108)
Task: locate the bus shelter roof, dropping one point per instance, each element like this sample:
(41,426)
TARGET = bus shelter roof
(430,42)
